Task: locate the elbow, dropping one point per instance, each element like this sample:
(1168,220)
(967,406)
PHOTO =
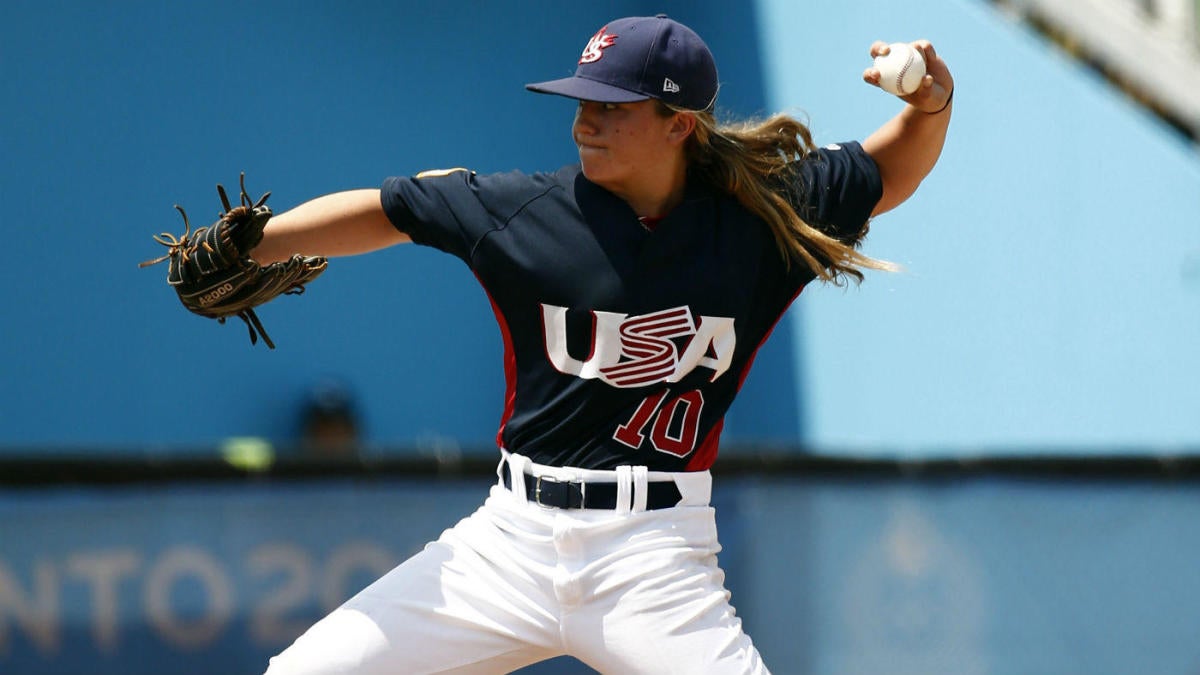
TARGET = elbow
(897,191)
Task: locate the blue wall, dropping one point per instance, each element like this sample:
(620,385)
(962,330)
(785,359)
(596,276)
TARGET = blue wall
(116,112)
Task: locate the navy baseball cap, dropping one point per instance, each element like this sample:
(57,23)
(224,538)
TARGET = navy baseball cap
(638,58)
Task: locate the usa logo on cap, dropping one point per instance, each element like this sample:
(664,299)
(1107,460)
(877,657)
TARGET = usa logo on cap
(656,57)
(592,52)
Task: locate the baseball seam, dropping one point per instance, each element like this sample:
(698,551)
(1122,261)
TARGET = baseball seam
(903,71)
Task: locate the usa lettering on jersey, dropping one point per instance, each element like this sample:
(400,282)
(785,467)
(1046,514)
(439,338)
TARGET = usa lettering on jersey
(636,351)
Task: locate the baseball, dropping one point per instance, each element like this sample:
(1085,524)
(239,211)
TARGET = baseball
(901,69)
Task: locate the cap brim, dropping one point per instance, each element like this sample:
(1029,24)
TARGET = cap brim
(586,90)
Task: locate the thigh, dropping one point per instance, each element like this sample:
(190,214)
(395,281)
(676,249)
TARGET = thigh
(462,605)
(662,607)
(693,631)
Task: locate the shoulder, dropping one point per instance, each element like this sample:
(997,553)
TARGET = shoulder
(462,187)
(835,188)
(460,177)
(511,192)
(839,162)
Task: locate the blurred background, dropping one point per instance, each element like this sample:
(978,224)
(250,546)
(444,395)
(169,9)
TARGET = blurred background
(986,463)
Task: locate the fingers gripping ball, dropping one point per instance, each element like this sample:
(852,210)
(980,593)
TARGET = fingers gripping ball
(213,274)
(901,69)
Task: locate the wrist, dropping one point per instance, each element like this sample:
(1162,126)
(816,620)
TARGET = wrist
(949,100)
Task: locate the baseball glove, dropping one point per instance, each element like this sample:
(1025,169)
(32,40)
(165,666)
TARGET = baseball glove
(212,272)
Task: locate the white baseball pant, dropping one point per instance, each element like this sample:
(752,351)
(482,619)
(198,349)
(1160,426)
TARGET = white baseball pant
(624,591)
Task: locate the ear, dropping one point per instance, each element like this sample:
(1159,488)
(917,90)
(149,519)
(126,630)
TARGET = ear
(681,127)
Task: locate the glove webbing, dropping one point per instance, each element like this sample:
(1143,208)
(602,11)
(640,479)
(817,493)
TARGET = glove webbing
(255,326)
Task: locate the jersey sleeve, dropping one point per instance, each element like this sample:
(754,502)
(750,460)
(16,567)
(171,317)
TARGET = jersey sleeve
(453,210)
(837,188)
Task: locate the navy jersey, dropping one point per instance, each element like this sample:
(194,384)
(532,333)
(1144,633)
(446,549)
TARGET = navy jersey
(625,345)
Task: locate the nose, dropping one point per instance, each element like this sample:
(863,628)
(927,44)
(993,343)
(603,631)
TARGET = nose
(585,118)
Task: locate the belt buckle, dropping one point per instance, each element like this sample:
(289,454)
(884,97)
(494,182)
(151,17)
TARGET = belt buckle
(537,491)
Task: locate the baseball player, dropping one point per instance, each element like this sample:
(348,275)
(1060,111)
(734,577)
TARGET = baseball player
(632,291)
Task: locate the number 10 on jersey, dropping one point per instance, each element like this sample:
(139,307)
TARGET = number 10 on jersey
(672,426)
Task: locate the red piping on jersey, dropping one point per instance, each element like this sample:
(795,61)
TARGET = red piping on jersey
(706,453)
(651,222)
(510,367)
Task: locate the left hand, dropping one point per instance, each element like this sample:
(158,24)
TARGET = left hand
(213,274)
(936,86)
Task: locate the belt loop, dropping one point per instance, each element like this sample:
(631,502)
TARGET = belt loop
(641,488)
(517,466)
(624,489)
(504,454)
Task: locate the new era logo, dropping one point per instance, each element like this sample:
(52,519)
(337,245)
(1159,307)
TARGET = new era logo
(670,86)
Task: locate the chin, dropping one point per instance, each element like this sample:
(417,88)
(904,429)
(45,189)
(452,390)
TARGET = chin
(596,171)
(589,170)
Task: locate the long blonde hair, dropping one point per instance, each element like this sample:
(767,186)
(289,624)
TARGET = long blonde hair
(756,162)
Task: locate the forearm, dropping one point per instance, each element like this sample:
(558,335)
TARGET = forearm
(337,224)
(906,148)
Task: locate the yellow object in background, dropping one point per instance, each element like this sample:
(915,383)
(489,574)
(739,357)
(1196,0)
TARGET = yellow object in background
(248,453)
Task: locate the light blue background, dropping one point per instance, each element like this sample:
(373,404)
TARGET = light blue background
(1051,298)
